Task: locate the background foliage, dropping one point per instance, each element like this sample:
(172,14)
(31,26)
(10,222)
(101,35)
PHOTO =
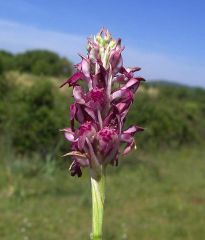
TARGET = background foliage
(38,62)
(158,189)
(34,108)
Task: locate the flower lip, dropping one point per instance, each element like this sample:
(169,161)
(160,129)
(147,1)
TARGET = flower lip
(85,127)
(107,133)
(86,131)
(96,98)
(107,137)
(97,94)
(108,141)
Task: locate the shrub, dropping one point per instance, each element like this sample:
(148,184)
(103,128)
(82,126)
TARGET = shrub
(6,61)
(42,62)
(171,119)
(34,117)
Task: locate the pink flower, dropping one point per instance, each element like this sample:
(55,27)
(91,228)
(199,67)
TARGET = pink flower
(103,92)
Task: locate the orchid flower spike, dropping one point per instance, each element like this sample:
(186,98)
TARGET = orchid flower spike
(103,91)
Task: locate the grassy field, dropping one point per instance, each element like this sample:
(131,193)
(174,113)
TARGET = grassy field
(159,196)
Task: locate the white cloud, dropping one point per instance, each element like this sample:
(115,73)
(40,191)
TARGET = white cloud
(18,37)
(162,67)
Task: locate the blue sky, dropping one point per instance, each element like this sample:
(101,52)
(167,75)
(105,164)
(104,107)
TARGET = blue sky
(166,38)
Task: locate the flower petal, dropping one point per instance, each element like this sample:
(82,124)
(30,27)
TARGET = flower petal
(116,61)
(122,95)
(129,72)
(69,134)
(133,130)
(91,113)
(80,116)
(78,94)
(73,79)
(130,83)
(86,67)
(129,147)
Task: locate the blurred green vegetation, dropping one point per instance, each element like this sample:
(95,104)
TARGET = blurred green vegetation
(156,193)
(149,196)
(173,116)
(33,108)
(37,62)
(30,116)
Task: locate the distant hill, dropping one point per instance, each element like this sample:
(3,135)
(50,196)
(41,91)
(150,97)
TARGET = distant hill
(168,83)
(37,62)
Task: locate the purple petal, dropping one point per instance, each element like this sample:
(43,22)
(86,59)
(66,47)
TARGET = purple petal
(116,94)
(93,158)
(84,162)
(114,119)
(78,94)
(133,130)
(72,114)
(73,79)
(121,107)
(124,95)
(130,83)
(101,77)
(119,79)
(107,139)
(76,112)
(69,134)
(96,99)
(127,137)
(72,111)
(86,130)
(80,116)
(81,142)
(91,113)
(129,72)
(116,61)
(86,67)
(111,154)
(129,147)
(133,84)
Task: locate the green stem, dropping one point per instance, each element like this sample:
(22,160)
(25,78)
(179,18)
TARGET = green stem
(98,198)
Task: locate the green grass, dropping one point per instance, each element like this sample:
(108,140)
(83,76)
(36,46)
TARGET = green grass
(149,197)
